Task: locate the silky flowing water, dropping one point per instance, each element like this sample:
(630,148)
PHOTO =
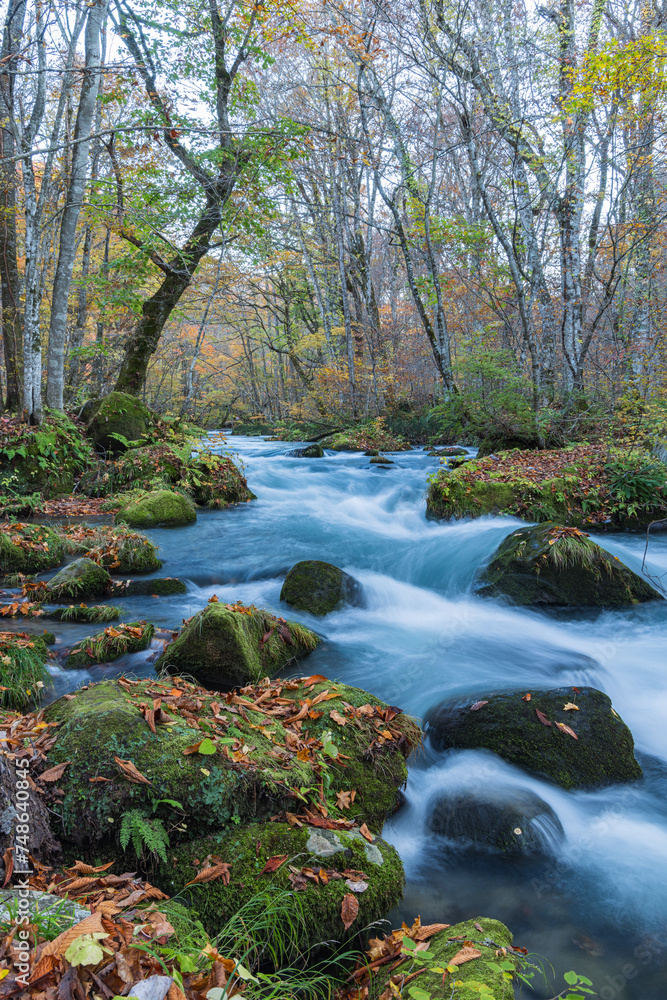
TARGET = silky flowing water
(598,904)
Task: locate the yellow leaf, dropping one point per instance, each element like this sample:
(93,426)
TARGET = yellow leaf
(570,707)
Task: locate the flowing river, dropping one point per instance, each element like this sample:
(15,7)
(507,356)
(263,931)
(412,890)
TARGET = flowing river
(598,903)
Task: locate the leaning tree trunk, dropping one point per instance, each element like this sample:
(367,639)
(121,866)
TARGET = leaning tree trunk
(70,217)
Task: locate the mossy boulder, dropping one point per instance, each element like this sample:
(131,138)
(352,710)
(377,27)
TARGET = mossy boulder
(116,547)
(257,757)
(449,452)
(487,937)
(115,641)
(549,564)
(319,587)
(162,587)
(214,481)
(78,581)
(159,509)
(225,645)
(600,753)
(310,451)
(29,548)
(512,821)
(316,904)
(381,460)
(116,420)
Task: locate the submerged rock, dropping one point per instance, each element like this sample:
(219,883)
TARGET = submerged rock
(251,847)
(159,509)
(249,767)
(116,421)
(381,460)
(319,587)
(29,548)
(311,451)
(79,580)
(162,586)
(527,734)
(229,644)
(106,646)
(509,820)
(549,564)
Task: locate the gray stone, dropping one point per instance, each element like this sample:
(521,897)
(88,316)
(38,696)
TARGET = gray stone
(61,913)
(323,843)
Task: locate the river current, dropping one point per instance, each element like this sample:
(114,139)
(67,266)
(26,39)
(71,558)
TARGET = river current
(598,904)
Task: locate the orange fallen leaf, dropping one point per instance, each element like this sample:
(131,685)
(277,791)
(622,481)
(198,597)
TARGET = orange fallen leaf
(477,705)
(527,696)
(273,864)
(349,910)
(570,707)
(365,833)
(466,954)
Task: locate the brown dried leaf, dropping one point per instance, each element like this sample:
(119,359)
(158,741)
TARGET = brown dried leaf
(365,833)
(566,729)
(542,717)
(211,874)
(273,864)
(349,910)
(477,705)
(54,773)
(130,772)
(466,954)
(337,717)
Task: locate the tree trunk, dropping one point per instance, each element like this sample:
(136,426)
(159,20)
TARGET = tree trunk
(10,282)
(70,216)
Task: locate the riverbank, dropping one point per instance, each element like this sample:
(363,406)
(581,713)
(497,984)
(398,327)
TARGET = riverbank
(422,638)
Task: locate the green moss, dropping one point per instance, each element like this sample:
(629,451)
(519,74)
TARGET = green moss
(449,497)
(162,508)
(249,848)
(109,645)
(214,481)
(116,547)
(80,580)
(163,587)
(318,587)
(492,936)
(602,753)
(29,548)
(105,721)
(42,458)
(116,417)
(547,564)
(223,646)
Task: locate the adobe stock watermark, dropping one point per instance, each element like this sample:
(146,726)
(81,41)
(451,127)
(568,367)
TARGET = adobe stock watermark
(651,946)
(22,871)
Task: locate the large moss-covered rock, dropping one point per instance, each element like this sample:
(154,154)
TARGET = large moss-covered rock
(116,547)
(214,481)
(319,587)
(549,564)
(600,753)
(508,820)
(79,580)
(487,937)
(310,451)
(159,509)
(116,420)
(255,762)
(115,641)
(29,548)
(316,906)
(230,644)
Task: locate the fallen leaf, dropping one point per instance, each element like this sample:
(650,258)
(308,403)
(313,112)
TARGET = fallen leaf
(337,717)
(273,864)
(428,930)
(130,772)
(570,707)
(566,729)
(466,954)
(477,705)
(542,717)
(343,800)
(54,773)
(365,833)
(349,910)
(212,873)
(527,696)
